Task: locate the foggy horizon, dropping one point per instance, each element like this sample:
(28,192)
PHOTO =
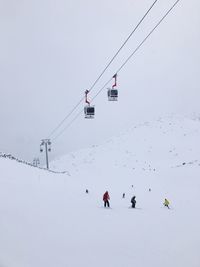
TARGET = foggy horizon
(52,51)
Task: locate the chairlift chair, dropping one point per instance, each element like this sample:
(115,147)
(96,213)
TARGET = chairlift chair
(89,112)
(112,94)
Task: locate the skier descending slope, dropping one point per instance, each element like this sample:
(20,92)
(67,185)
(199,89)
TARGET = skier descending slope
(106,199)
(166,203)
(133,201)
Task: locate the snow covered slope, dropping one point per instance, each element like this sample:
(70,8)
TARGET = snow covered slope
(48,220)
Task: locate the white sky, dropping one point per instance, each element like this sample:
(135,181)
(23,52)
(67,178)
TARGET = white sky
(52,51)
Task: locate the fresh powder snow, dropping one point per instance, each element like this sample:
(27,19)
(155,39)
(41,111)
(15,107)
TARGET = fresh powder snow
(48,219)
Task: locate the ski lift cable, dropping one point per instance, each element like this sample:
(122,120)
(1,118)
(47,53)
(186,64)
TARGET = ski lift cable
(104,70)
(138,47)
(127,39)
(68,125)
(66,117)
(79,113)
(121,67)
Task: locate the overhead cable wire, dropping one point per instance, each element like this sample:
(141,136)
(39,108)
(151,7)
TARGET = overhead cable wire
(127,39)
(68,125)
(66,117)
(138,47)
(122,66)
(104,70)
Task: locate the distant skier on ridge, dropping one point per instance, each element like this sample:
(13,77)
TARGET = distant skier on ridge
(106,199)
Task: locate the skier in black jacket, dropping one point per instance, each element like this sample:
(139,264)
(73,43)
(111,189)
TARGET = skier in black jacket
(133,201)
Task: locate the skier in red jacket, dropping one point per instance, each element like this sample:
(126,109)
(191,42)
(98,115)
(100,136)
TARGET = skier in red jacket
(106,197)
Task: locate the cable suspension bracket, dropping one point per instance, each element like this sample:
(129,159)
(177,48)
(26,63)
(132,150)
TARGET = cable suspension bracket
(115,81)
(86,97)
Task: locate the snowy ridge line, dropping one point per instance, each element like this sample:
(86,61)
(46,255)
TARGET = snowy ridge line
(9,156)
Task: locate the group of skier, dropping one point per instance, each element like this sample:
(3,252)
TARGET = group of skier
(106,199)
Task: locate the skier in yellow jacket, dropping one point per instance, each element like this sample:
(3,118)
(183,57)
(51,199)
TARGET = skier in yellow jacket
(166,203)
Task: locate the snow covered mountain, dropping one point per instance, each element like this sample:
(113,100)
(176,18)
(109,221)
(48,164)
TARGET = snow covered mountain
(47,219)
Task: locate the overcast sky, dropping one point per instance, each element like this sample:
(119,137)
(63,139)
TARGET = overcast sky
(52,51)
